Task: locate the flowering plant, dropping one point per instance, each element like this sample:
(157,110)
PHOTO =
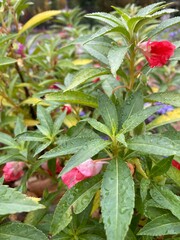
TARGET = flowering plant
(88,126)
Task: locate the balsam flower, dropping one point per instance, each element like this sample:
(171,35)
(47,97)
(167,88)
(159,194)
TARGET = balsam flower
(67,108)
(176,164)
(46,168)
(13,171)
(157,53)
(87,169)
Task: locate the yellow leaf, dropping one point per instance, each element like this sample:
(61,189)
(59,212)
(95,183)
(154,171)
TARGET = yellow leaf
(4,102)
(31,122)
(35,199)
(70,121)
(82,61)
(155,89)
(96,203)
(34,101)
(169,117)
(37,19)
(139,168)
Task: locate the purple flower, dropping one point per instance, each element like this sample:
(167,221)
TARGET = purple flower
(20,50)
(165,108)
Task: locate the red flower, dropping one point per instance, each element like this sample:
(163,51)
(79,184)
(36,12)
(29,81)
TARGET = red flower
(67,108)
(176,164)
(58,167)
(87,169)
(12,171)
(157,53)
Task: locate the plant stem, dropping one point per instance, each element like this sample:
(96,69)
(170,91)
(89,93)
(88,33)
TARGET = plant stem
(132,70)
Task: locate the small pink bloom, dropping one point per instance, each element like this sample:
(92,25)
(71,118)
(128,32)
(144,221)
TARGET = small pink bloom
(176,164)
(20,50)
(118,78)
(67,108)
(97,65)
(54,86)
(13,171)
(96,80)
(58,167)
(157,53)
(87,169)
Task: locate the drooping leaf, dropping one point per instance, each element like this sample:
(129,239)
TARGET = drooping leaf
(154,144)
(164,225)
(75,201)
(37,19)
(116,56)
(20,231)
(117,199)
(167,199)
(75,97)
(12,201)
(171,98)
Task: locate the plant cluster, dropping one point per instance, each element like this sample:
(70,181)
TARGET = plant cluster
(89,117)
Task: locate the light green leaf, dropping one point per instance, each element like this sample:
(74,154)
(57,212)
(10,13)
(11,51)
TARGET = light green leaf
(99,126)
(88,150)
(12,201)
(58,123)
(137,118)
(164,25)
(161,167)
(117,199)
(5,38)
(116,56)
(102,31)
(7,61)
(154,144)
(75,201)
(37,19)
(20,231)
(171,98)
(85,74)
(75,97)
(45,118)
(121,138)
(7,140)
(148,9)
(108,112)
(31,136)
(163,225)
(167,199)
(144,186)
(169,117)
(174,174)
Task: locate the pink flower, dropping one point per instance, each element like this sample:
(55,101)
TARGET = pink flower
(20,50)
(67,108)
(13,171)
(54,86)
(96,80)
(87,169)
(157,53)
(176,164)
(58,167)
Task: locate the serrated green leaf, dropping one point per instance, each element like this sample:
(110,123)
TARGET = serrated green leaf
(37,19)
(117,199)
(6,38)
(7,140)
(108,112)
(20,231)
(137,118)
(161,167)
(171,98)
(169,117)
(167,199)
(31,136)
(121,138)
(102,31)
(164,25)
(99,126)
(6,61)
(85,74)
(154,144)
(105,17)
(75,97)
(148,9)
(12,201)
(88,150)
(163,225)
(115,57)
(75,201)
(144,186)
(45,119)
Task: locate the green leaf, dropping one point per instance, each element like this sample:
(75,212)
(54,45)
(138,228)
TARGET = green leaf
(7,158)
(154,144)
(133,104)
(31,136)
(37,19)
(171,98)
(88,150)
(75,201)
(121,138)
(45,118)
(75,97)
(144,186)
(20,231)
(148,9)
(85,74)
(7,140)
(5,38)
(108,112)
(99,126)
(164,25)
(161,167)
(130,235)
(174,174)
(6,61)
(169,117)
(163,225)
(137,118)
(105,17)
(116,56)
(12,201)
(58,123)
(117,199)
(99,33)
(167,199)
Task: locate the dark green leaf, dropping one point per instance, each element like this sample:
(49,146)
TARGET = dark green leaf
(117,199)
(161,167)
(44,118)
(99,126)
(144,186)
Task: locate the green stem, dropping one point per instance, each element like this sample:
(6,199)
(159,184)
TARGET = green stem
(132,69)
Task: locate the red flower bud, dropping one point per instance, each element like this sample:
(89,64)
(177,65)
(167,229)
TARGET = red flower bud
(67,108)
